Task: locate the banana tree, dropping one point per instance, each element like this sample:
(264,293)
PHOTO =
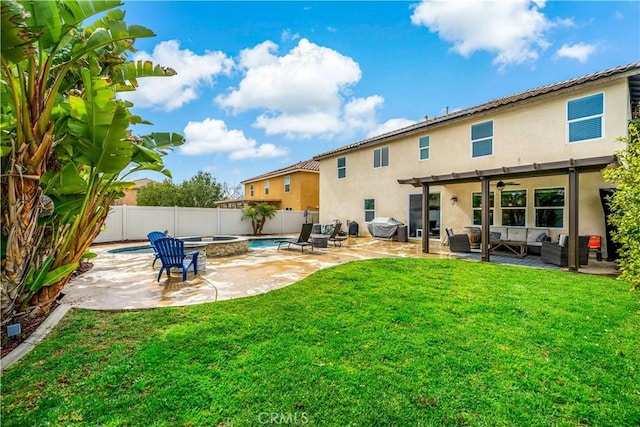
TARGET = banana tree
(65,138)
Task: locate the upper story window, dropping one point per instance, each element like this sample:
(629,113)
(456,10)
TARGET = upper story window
(482,139)
(381,157)
(549,207)
(423,147)
(266,187)
(287,183)
(342,167)
(584,116)
(251,190)
(476,205)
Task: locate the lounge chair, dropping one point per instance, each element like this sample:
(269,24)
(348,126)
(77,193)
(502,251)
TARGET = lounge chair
(335,236)
(302,240)
(458,242)
(153,236)
(171,253)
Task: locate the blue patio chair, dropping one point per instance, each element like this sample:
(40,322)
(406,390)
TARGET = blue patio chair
(153,236)
(171,253)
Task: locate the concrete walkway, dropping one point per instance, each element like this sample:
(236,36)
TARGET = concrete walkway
(127,281)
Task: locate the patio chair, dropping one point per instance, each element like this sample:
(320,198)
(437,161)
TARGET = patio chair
(458,242)
(153,236)
(335,236)
(554,253)
(171,253)
(302,240)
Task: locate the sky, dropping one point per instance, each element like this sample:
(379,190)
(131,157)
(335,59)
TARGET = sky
(263,85)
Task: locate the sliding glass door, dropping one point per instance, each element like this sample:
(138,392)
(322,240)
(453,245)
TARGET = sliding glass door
(415,215)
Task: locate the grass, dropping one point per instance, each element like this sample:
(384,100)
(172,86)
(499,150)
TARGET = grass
(392,342)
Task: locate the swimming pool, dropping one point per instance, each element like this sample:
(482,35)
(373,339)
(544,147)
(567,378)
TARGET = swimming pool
(254,243)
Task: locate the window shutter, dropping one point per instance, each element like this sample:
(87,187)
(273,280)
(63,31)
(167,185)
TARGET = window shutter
(585,107)
(585,129)
(482,130)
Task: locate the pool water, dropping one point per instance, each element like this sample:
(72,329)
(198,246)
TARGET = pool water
(146,249)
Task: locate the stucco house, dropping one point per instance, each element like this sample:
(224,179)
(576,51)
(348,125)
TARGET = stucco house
(131,195)
(294,187)
(535,158)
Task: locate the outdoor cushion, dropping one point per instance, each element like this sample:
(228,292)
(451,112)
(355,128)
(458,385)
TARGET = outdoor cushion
(562,240)
(495,235)
(519,234)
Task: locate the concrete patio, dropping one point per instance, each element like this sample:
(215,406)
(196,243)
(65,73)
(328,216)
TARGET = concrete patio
(127,281)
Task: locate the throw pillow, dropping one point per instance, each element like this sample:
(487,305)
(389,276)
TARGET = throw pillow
(494,235)
(562,240)
(542,237)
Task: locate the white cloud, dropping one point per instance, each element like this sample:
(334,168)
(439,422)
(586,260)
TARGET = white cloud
(289,35)
(302,92)
(390,125)
(193,72)
(513,30)
(579,51)
(213,136)
(359,113)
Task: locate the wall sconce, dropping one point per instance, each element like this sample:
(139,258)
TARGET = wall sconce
(454,200)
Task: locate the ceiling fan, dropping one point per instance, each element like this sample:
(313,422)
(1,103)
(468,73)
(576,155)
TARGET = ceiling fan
(501,184)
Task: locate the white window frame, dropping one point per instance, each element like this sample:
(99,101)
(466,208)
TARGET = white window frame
(251,190)
(492,138)
(492,210)
(536,208)
(266,187)
(370,211)
(287,183)
(341,168)
(507,208)
(422,149)
(601,116)
(378,154)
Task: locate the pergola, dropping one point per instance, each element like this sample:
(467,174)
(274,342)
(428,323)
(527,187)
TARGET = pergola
(572,168)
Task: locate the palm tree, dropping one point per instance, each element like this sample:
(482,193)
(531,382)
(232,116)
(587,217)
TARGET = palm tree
(65,139)
(259,215)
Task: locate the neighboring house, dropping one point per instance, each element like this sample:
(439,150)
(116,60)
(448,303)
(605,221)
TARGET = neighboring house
(541,143)
(130,196)
(295,187)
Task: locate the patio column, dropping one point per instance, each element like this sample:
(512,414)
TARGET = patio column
(485,219)
(425,218)
(574,254)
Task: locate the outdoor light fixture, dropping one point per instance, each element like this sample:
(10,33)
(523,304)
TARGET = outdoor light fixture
(454,199)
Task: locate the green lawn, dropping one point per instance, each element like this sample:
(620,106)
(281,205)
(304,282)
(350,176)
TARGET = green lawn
(392,342)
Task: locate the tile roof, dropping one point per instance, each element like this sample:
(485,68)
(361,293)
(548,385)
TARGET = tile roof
(306,166)
(496,103)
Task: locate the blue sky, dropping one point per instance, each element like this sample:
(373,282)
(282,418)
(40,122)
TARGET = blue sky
(263,85)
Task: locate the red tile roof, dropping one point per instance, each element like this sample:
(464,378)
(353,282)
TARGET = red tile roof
(305,166)
(496,103)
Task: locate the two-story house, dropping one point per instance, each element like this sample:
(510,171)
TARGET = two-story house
(535,157)
(294,187)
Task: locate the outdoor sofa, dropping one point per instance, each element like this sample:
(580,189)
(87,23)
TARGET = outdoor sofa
(532,235)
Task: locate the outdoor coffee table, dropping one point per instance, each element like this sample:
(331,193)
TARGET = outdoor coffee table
(517,247)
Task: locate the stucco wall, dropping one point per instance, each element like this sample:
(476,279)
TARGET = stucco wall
(532,132)
(303,194)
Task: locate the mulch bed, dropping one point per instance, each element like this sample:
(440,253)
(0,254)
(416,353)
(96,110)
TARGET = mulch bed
(29,326)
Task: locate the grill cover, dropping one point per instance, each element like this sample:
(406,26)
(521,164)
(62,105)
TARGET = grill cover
(386,227)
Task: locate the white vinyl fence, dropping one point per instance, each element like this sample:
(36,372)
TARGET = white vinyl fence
(135,222)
